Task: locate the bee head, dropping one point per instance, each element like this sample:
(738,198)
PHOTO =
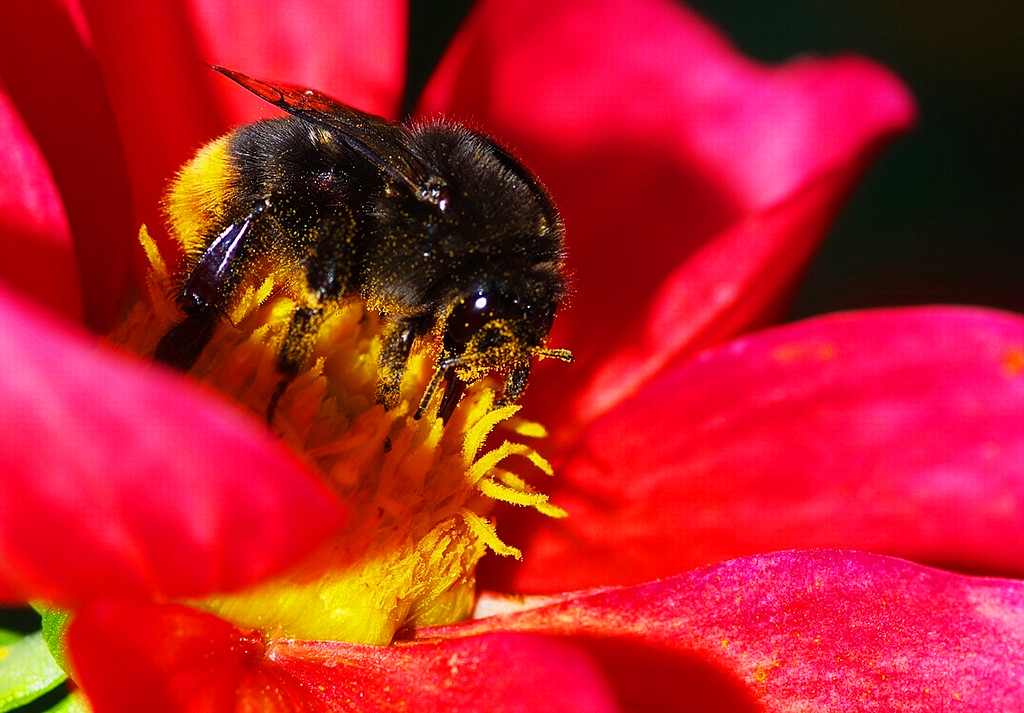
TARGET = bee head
(494,326)
(497,324)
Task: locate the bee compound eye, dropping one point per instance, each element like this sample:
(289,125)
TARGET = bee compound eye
(467,318)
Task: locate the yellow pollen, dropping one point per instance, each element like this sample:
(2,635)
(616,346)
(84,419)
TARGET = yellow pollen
(420,491)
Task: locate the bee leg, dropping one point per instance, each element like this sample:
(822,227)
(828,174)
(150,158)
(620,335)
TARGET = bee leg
(453,389)
(515,385)
(181,346)
(206,291)
(328,273)
(394,353)
(295,350)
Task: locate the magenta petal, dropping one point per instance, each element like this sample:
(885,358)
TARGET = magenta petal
(892,431)
(136,656)
(798,631)
(655,136)
(493,673)
(118,481)
(36,252)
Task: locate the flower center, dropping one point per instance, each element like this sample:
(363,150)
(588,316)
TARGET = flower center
(420,491)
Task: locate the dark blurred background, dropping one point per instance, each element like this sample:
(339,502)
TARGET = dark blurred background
(940,217)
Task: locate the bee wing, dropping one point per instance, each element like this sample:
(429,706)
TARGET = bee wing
(379,141)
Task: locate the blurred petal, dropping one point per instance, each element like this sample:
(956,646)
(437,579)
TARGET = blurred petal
(159,90)
(57,87)
(168,103)
(123,482)
(176,659)
(36,252)
(360,58)
(654,136)
(721,290)
(797,631)
(892,431)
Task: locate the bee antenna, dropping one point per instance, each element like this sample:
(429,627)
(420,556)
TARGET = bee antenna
(435,381)
(560,354)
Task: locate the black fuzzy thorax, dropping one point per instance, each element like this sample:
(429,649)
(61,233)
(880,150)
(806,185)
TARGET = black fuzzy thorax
(355,230)
(499,228)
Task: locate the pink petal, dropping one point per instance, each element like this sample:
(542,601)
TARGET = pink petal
(892,431)
(36,253)
(797,631)
(120,481)
(132,657)
(655,136)
(60,95)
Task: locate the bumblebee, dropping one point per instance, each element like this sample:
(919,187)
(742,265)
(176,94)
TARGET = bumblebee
(436,226)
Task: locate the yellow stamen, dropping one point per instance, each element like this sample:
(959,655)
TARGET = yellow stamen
(421,491)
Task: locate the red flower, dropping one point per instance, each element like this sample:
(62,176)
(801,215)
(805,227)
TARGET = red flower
(694,184)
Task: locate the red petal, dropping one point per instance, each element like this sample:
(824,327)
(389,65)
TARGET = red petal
(654,135)
(123,482)
(168,658)
(797,631)
(138,656)
(892,431)
(168,102)
(36,253)
(60,94)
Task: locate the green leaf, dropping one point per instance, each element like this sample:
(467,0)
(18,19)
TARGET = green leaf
(73,703)
(26,671)
(55,624)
